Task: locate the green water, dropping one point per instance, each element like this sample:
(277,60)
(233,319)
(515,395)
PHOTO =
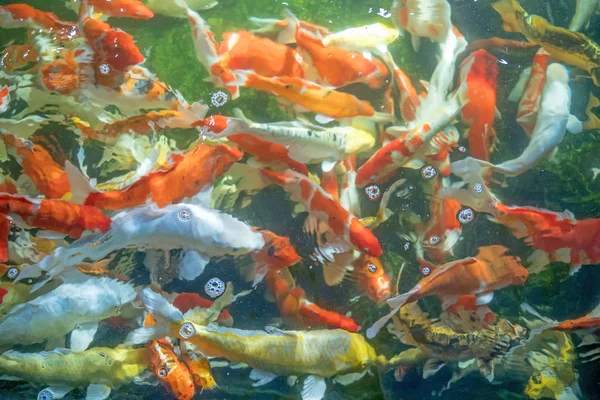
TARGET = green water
(568,181)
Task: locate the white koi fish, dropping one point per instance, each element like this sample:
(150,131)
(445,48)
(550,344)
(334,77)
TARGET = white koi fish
(202,232)
(374,37)
(584,10)
(72,307)
(170,8)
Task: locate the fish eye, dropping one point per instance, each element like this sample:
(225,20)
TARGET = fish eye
(372,268)
(45,395)
(163,372)
(102,354)
(12,273)
(187,330)
(271,251)
(434,240)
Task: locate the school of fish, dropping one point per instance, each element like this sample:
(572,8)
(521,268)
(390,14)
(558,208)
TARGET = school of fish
(94,246)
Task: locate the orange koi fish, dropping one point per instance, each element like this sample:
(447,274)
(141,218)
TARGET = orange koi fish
(173,374)
(15,57)
(8,185)
(48,177)
(481,275)
(590,321)
(329,183)
(409,99)
(336,66)
(187,301)
(5,226)
(286,30)
(468,302)
(183,178)
(5,98)
(143,124)
(311,96)
(372,278)
(443,228)
(54,215)
(25,16)
(113,47)
(320,204)
(207,52)
(243,51)
(277,254)
(121,8)
(266,152)
(530,103)
(199,367)
(422,18)
(480,71)
(70,73)
(293,304)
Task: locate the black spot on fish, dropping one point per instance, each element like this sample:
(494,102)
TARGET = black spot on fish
(271,251)
(334,137)
(309,133)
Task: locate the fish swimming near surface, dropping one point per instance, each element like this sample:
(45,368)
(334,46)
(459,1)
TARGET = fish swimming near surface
(572,48)
(25,16)
(99,369)
(202,232)
(491,269)
(74,308)
(270,354)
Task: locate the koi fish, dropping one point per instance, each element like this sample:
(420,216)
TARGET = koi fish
(336,66)
(54,215)
(286,31)
(173,374)
(310,96)
(171,8)
(72,307)
(99,369)
(243,51)
(409,99)
(481,275)
(5,98)
(588,322)
(293,304)
(202,232)
(266,152)
(557,236)
(372,278)
(13,294)
(480,71)
(563,45)
(317,202)
(25,16)
(467,304)
(16,57)
(207,52)
(530,103)
(48,177)
(199,367)
(70,73)
(553,120)
(306,143)
(584,10)
(373,37)
(496,43)
(113,47)
(429,18)
(277,254)
(270,353)
(182,178)
(121,8)
(189,301)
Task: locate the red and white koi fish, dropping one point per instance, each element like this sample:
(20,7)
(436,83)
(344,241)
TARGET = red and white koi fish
(320,204)
(69,74)
(336,66)
(309,96)
(293,304)
(557,236)
(53,215)
(49,178)
(306,143)
(409,99)
(113,47)
(529,105)
(17,57)
(422,18)
(25,16)
(400,151)
(286,31)
(5,97)
(553,120)
(243,51)
(182,178)
(491,269)
(207,52)
(480,72)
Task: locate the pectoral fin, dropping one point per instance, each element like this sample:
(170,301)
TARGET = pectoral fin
(97,392)
(82,336)
(485,299)
(261,378)
(314,388)
(574,125)
(192,265)
(432,367)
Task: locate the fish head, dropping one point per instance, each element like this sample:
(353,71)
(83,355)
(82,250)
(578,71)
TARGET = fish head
(363,239)
(373,278)
(359,141)
(277,252)
(122,8)
(171,373)
(114,47)
(558,73)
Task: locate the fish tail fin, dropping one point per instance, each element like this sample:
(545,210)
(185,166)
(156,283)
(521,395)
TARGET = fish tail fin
(81,187)
(145,334)
(265,25)
(476,193)
(288,33)
(160,307)
(395,303)
(510,11)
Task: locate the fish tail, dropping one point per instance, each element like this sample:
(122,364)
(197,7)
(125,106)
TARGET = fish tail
(511,12)
(81,187)
(395,303)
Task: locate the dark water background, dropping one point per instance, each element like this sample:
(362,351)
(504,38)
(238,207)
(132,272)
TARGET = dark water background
(565,183)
